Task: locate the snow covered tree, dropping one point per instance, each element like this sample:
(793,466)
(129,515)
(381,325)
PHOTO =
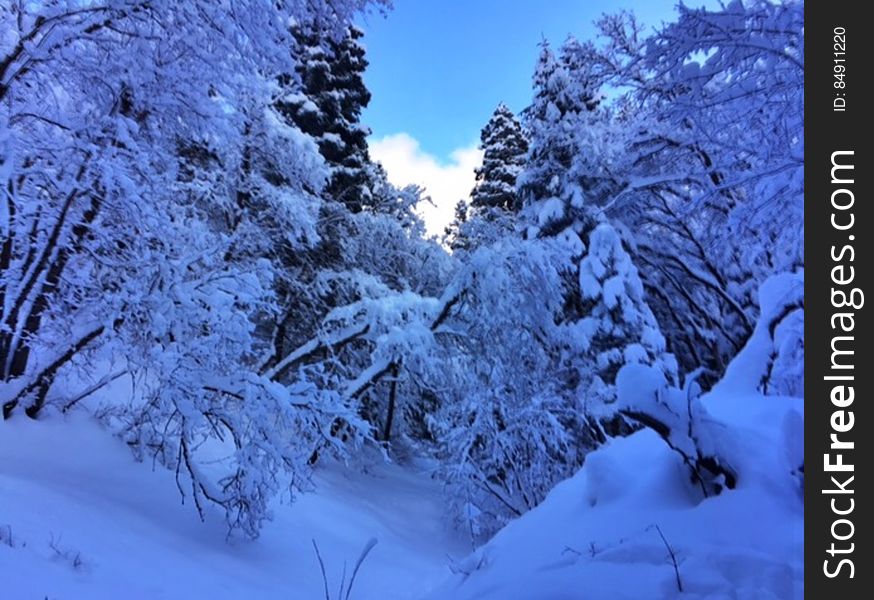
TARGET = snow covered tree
(352,289)
(141,210)
(542,185)
(504,147)
(712,179)
(563,189)
(617,324)
(328,107)
(490,214)
(484,227)
(324,97)
(568,292)
(509,425)
(398,203)
(452,234)
(565,118)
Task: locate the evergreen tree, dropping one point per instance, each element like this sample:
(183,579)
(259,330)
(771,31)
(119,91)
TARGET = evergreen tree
(618,327)
(546,194)
(504,147)
(568,127)
(453,235)
(328,107)
(605,315)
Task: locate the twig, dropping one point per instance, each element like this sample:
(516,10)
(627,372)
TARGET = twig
(322,566)
(6,536)
(342,582)
(673,556)
(74,557)
(97,386)
(367,548)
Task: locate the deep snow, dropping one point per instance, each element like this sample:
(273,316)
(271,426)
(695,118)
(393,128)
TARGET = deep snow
(595,537)
(597,534)
(66,482)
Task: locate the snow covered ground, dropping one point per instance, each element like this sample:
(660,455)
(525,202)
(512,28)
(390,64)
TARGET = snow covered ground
(87,521)
(609,531)
(595,537)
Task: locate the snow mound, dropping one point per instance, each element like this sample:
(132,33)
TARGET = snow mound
(610,531)
(596,536)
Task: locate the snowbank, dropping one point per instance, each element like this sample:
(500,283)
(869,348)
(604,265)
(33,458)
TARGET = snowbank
(595,536)
(609,531)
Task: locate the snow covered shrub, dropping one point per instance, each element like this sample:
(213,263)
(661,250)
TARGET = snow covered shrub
(502,455)
(678,416)
(506,430)
(769,364)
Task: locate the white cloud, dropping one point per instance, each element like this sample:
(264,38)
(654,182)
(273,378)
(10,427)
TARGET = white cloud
(406,163)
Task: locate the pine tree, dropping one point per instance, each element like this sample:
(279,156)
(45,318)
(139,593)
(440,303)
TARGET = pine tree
(605,314)
(453,235)
(328,107)
(545,192)
(504,148)
(618,327)
(566,175)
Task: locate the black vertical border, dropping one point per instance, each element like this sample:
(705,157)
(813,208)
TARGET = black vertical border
(827,131)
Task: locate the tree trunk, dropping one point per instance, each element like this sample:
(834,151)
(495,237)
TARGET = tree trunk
(392,399)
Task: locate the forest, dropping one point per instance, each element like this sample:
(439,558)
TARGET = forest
(201,263)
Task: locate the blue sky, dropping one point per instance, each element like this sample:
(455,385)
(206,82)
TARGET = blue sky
(438,68)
